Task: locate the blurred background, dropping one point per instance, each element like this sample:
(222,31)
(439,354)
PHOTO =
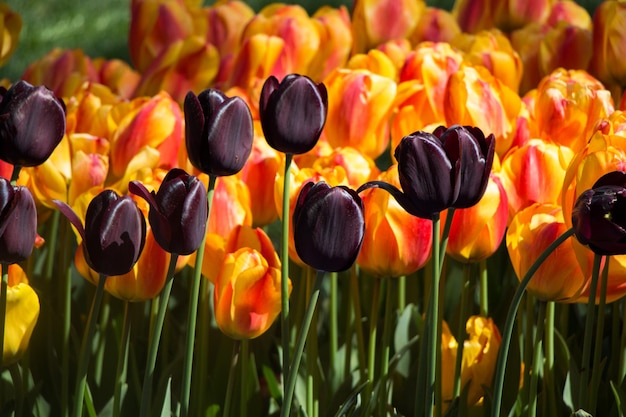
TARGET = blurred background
(100,28)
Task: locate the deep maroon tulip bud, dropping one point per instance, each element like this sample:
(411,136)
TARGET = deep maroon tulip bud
(114,232)
(32,123)
(328,226)
(293,113)
(18,222)
(449,168)
(219,132)
(178,211)
(599,215)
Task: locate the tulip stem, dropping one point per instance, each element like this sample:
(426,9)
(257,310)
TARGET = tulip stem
(503,353)
(3,306)
(484,289)
(85,349)
(290,386)
(66,296)
(371,357)
(231,378)
(193,309)
(333,332)
(245,361)
(153,348)
(548,371)
(284,288)
(18,386)
(460,330)
(586,358)
(597,352)
(122,362)
(356,303)
(384,359)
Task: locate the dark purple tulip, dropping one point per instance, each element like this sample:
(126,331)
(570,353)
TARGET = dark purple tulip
(328,226)
(293,113)
(599,215)
(448,168)
(32,123)
(18,222)
(178,211)
(114,232)
(218,132)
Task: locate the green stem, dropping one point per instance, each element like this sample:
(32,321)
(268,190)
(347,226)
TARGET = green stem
(484,289)
(3,307)
(536,361)
(507,332)
(302,336)
(122,362)
(333,331)
(401,293)
(153,349)
(231,378)
(66,285)
(432,322)
(312,379)
(371,351)
(18,385)
(193,310)
(284,256)
(597,352)
(460,330)
(201,363)
(52,249)
(244,377)
(356,305)
(548,372)
(586,359)
(85,349)
(386,347)
(444,236)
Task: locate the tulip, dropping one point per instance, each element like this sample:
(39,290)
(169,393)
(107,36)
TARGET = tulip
(114,233)
(396,243)
(22,312)
(293,113)
(18,222)
(609,38)
(219,132)
(476,232)
(335,33)
(178,211)
(359,168)
(435,25)
(597,215)
(32,123)
(328,226)
(449,168)
(10,27)
(247,294)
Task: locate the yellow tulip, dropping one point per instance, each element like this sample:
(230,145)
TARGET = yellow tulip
(10,28)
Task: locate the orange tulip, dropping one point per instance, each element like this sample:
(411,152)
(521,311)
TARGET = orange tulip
(89,108)
(396,243)
(480,353)
(534,173)
(10,27)
(474,97)
(514,14)
(359,106)
(435,25)
(376,62)
(492,50)
(230,206)
(247,294)
(474,16)
(335,33)
(359,168)
(22,312)
(226,21)
(371,21)
(476,232)
(532,230)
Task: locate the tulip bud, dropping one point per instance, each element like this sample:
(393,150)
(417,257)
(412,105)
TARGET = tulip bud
(32,123)
(219,132)
(598,218)
(328,226)
(293,113)
(114,232)
(18,222)
(449,168)
(178,211)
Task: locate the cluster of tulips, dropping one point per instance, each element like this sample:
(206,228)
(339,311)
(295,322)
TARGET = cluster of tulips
(199,232)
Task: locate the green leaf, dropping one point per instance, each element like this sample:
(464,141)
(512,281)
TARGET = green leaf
(166,408)
(620,399)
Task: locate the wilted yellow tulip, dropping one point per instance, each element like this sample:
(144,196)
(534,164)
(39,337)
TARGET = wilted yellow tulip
(22,312)
(371,21)
(476,232)
(10,28)
(480,353)
(491,49)
(359,106)
(247,294)
(396,243)
(534,173)
(532,230)
(474,97)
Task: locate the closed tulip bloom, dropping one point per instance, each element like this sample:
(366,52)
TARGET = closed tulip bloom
(22,312)
(18,222)
(598,216)
(293,113)
(328,226)
(32,123)
(114,233)
(219,132)
(247,294)
(178,211)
